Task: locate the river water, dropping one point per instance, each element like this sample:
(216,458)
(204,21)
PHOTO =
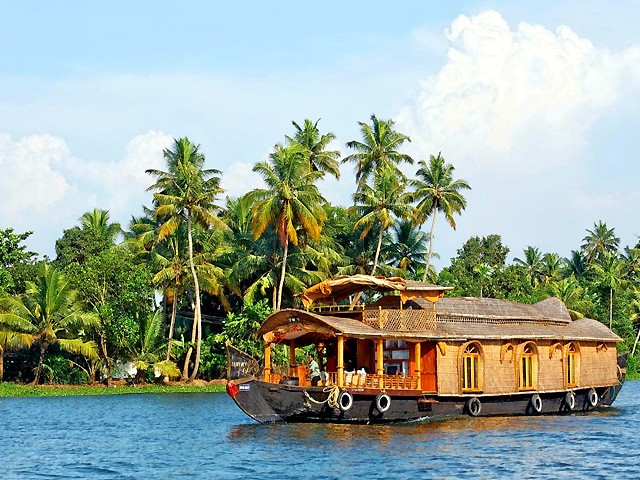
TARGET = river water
(206,436)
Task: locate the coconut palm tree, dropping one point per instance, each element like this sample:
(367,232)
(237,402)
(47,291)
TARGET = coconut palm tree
(148,351)
(576,265)
(378,150)
(611,273)
(309,138)
(50,312)
(551,267)
(635,316)
(532,263)
(187,192)
(97,222)
(599,241)
(379,206)
(289,201)
(406,247)
(572,295)
(437,191)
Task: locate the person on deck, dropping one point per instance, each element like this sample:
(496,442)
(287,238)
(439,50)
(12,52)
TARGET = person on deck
(314,371)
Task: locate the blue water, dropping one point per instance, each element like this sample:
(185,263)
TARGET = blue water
(205,436)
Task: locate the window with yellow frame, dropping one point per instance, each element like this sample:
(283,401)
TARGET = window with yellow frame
(572,365)
(528,361)
(471,368)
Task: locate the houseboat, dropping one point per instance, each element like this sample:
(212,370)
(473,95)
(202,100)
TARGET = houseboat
(410,353)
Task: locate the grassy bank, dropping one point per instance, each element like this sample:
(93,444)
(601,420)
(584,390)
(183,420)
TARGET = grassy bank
(16,390)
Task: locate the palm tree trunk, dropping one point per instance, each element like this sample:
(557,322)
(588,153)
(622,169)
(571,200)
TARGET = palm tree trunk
(43,348)
(105,357)
(197,318)
(283,272)
(1,364)
(433,225)
(174,311)
(610,308)
(375,260)
(635,344)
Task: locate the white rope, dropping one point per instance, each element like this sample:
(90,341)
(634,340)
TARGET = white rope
(332,398)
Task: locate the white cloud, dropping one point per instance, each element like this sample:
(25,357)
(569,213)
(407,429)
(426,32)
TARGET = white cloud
(239,178)
(31,184)
(516,101)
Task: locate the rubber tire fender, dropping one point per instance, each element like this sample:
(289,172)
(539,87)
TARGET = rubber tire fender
(536,403)
(382,402)
(570,400)
(474,406)
(592,398)
(345,401)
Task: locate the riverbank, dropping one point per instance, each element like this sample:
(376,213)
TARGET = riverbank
(18,390)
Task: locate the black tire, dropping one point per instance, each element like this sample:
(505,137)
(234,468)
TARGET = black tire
(593,398)
(536,403)
(345,401)
(570,401)
(382,402)
(474,406)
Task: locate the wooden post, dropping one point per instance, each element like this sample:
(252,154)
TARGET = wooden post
(267,362)
(292,358)
(340,361)
(380,362)
(418,371)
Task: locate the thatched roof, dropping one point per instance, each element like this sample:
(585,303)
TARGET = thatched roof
(339,288)
(456,319)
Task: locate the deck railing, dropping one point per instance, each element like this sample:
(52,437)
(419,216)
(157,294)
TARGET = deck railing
(371,380)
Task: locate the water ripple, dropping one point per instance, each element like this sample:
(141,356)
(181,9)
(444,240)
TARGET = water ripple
(202,435)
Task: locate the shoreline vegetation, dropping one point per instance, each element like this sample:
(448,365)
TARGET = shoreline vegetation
(164,294)
(8,389)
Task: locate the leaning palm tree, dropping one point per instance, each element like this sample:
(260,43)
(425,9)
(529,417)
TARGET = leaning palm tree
(97,222)
(50,312)
(309,138)
(378,150)
(599,241)
(379,206)
(289,201)
(437,191)
(187,192)
(635,316)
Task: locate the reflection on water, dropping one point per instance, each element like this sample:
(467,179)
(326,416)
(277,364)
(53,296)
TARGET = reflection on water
(199,436)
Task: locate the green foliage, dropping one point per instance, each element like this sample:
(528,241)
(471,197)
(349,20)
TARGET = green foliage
(11,250)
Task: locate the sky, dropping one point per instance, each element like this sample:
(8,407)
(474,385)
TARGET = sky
(535,103)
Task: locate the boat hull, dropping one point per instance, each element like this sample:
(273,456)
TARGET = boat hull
(267,403)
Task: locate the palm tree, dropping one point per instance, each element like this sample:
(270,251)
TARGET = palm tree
(148,352)
(406,247)
(290,201)
(576,265)
(309,138)
(378,150)
(551,267)
(532,263)
(599,241)
(611,273)
(379,206)
(437,191)
(635,316)
(572,295)
(50,312)
(187,192)
(97,222)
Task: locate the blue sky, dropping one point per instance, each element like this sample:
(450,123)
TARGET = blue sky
(533,102)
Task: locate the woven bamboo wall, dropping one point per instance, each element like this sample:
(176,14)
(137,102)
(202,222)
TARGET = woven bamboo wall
(500,363)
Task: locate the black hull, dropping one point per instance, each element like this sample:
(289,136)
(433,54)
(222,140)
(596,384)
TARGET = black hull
(267,403)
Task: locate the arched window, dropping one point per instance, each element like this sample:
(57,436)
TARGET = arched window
(528,365)
(471,368)
(572,365)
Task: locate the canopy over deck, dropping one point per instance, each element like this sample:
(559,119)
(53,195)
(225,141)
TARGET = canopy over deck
(339,288)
